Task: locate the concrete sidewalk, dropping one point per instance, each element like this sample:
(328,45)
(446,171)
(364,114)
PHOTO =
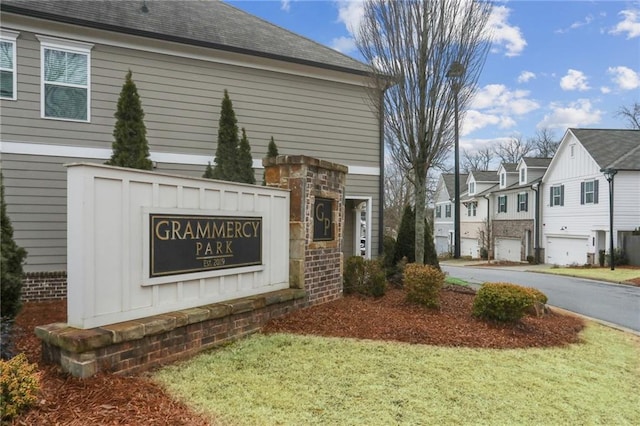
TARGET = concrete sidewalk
(523,267)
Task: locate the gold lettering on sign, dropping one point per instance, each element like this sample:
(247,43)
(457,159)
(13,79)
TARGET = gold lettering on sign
(326,222)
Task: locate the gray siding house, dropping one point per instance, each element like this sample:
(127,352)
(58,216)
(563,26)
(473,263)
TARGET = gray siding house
(63,66)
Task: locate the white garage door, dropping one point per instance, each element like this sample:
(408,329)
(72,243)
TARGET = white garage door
(442,245)
(469,247)
(508,249)
(566,251)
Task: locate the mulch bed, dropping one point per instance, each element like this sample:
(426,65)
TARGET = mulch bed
(136,400)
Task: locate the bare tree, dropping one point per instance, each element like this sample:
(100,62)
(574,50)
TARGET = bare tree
(411,45)
(397,194)
(631,115)
(544,143)
(478,160)
(513,149)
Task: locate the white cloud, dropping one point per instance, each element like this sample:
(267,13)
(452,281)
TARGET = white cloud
(504,34)
(285,5)
(344,44)
(525,76)
(605,90)
(630,24)
(574,80)
(625,78)
(577,114)
(587,20)
(497,99)
(350,13)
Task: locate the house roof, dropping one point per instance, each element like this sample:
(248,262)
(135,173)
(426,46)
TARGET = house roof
(450,183)
(615,148)
(509,167)
(485,175)
(537,162)
(206,23)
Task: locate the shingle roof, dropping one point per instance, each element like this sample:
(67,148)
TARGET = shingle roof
(450,183)
(510,167)
(485,175)
(537,162)
(207,23)
(619,149)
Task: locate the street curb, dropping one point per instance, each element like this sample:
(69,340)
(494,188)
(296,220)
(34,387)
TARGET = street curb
(596,320)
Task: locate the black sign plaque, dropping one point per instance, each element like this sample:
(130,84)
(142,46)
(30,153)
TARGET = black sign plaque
(181,244)
(323,219)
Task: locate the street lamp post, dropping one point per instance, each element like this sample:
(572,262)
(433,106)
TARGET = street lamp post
(455,73)
(609,174)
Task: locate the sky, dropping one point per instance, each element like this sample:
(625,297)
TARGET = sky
(552,64)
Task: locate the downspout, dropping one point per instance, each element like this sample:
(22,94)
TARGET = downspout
(536,225)
(489,235)
(381,179)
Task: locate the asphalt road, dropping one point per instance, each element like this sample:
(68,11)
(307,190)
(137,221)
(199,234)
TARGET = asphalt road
(611,303)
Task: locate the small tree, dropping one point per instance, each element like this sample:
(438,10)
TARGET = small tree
(226,160)
(208,172)
(405,244)
(272,152)
(430,254)
(245,171)
(130,148)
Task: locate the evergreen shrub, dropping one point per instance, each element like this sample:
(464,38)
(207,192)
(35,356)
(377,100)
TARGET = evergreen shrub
(423,284)
(505,302)
(19,386)
(365,277)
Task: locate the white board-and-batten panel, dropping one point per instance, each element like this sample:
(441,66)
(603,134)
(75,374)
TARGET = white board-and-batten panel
(108,243)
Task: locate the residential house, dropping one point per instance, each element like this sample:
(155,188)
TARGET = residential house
(575,194)
(474,213)
(444,211)
(513,209)
(64,63)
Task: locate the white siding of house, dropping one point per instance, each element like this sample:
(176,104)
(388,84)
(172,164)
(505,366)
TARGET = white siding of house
(512,205)
(442,226)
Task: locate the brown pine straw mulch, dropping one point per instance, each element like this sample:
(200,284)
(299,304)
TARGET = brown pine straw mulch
(136,400)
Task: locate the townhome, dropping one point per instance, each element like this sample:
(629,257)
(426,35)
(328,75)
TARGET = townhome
(474,212)
(65,65)
(444,212)
(576,193)
(513,209)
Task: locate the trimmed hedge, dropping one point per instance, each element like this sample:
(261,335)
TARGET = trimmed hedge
(423,284)
(365,277)
(505,302)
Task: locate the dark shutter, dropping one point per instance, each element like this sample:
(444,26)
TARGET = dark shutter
(505,203)
(595,191)
(518,202)
(581,192)
(526,202)
(551,196)
(562,195)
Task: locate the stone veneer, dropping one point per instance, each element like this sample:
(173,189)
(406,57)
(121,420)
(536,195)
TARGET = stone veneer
(137,345)
(315,266)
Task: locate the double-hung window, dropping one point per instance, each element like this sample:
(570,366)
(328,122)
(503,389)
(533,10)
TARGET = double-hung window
(438,211)
(523,202)
(66,79)
(472,188)
(589,192)
(523,176)
(8,76)
(502,204)
(556,195)
(447,210)
(471,209)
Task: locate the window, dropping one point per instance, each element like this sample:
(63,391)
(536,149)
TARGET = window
(572,149)
(66,76)
(8,80)
(447,210)
(503,180)
(556,195)
(523,175)
(589,192)
(471,209)
(438,211)
(472,188)
(523,202)
(502,204)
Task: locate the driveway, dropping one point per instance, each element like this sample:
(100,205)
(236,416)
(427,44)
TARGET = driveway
(616,304)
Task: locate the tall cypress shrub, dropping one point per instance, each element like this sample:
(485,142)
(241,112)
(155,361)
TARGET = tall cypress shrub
(405,243)
(226,160)
(430,255)
(130,148)
(11,272)
(245,161)
(272,152)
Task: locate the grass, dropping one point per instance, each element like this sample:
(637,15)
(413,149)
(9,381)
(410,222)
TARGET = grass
(456,281)
(289,380)
(605,274)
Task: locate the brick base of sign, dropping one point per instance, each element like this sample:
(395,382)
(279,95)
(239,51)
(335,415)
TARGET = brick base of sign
(138,345)
(38,286)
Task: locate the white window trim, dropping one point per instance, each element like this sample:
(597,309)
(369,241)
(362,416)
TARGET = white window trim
(67,46)
(472,184)
(500,205)
(526,202)
(592,192)
(523,176)
(503,180)
(9,36)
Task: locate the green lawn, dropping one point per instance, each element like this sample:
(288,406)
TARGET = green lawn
(606,274)
(293,380)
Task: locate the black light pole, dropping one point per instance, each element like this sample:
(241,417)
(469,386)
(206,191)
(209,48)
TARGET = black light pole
(609,175)
(455,73)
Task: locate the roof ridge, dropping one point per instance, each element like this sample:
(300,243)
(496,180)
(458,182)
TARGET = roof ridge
(624,156)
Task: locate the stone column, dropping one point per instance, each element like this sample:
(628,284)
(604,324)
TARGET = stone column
(316,222)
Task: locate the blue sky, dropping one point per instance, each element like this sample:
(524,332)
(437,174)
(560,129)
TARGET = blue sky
(553,64)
